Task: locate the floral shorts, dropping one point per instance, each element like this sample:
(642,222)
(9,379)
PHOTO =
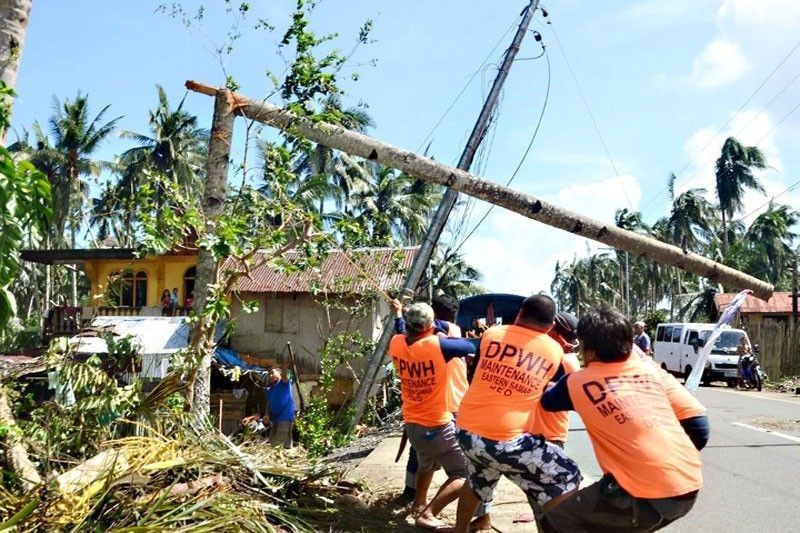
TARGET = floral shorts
(541,469)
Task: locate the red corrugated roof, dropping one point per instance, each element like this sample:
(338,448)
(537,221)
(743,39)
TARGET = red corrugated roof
(781,302)
(351,272)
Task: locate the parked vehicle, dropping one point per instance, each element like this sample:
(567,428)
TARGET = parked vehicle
(752,374)
(676,348)
(487,310)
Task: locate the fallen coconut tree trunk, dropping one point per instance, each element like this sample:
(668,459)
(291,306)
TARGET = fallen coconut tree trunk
(17,455)
(425,168)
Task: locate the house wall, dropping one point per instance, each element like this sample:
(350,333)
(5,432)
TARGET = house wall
(163,272)
(299,319)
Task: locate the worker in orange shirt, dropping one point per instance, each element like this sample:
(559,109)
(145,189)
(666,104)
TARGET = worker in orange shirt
(515,364)
(444,311)
(420,357)
(554,426)
(645,428)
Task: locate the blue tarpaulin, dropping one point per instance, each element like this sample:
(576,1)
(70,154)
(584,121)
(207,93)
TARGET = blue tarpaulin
(230,359)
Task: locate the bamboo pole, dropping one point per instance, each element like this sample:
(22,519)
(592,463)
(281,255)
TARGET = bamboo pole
(296,376)
(361,145)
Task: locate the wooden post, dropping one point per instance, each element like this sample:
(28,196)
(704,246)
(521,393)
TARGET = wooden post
(794,290)
(296,376)
(425,168)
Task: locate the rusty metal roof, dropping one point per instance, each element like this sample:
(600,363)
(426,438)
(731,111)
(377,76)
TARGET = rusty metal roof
(351,272)
(780,303)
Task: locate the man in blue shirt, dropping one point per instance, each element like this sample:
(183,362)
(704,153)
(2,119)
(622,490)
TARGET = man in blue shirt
(280,406)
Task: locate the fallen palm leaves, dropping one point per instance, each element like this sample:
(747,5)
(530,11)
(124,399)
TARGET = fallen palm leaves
(196,481)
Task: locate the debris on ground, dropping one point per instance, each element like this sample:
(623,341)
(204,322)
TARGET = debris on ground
(788,384)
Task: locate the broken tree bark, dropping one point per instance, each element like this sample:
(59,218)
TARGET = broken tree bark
(17,455)
(422,167)
(14,17)
(214,193)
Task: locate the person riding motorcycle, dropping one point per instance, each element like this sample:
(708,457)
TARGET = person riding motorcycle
(745,353)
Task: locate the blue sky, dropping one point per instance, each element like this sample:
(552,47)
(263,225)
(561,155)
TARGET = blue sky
(662,79)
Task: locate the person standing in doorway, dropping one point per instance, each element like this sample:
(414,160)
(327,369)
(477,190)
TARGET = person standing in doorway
(173,301)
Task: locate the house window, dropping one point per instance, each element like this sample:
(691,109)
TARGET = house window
(128,288)
(188,282)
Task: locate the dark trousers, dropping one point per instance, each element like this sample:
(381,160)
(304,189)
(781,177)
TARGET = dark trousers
(605,506)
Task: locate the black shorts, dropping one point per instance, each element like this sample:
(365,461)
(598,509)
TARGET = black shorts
(605,506)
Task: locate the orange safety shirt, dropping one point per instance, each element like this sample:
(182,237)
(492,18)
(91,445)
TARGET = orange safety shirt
(554,425)
(423,380)
(456,375)
(514,366)
(631,410)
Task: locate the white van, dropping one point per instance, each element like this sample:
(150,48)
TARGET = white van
(677,346)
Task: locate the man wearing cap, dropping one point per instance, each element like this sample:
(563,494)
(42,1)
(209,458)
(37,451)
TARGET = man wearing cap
(515,364)
(420,358)
(444,311)
(641,338)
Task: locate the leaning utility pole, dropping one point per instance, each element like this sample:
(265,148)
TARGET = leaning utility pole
(794,289)
(423,257)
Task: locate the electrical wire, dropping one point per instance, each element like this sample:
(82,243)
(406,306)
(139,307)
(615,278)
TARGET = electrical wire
(729,121)
(467,84)
(591,115)
(772,199)
(527,149)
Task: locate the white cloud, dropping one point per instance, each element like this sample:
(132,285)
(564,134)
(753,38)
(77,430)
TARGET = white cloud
(752,128)
(780,15)
(518,255)
(749,33)
(720,63)
(657,13)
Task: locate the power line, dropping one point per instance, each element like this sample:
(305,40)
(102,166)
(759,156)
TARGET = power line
(744,127)
(589,110)
(730,120)
(772,199)
(527,149)
(791,111)
(466,85)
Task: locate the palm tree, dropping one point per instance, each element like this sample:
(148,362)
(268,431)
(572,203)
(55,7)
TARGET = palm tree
(174,150)
(347,174)
(65,157)
(734,173)
(691,221)
(394,207)
(14,17)
(770,240)
(453,276)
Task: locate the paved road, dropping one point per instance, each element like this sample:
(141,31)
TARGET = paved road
(752,477)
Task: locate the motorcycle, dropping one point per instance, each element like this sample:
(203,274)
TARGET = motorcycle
(752,374)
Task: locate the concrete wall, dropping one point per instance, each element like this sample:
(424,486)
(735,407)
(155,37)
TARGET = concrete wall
(300,319)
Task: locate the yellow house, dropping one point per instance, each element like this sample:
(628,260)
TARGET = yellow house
(121,283)
(291,305)
(140,282)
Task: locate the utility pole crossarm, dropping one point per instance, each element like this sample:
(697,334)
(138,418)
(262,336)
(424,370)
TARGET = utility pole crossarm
(425,168)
